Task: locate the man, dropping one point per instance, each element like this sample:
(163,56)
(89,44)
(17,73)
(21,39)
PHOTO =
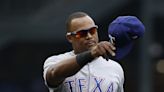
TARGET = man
(87,68)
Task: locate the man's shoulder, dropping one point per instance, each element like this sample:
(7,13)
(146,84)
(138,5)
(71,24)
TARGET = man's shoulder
(60,56)
(57,58)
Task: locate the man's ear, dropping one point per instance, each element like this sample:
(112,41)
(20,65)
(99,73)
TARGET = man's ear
(69,38)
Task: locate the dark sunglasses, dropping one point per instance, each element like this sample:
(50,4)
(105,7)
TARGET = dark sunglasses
(84,33)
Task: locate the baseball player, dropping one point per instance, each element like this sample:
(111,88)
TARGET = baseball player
(87,68)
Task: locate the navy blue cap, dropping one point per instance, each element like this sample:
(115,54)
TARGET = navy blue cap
(125,30)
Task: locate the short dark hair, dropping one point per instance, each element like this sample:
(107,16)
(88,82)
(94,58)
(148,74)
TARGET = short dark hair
(73,16)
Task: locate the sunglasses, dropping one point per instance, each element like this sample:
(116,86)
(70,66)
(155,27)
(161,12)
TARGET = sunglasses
(83,33)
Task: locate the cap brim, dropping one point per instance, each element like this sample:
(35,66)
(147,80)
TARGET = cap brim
(121,52)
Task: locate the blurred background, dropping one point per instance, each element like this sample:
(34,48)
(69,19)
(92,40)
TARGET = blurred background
(32,30)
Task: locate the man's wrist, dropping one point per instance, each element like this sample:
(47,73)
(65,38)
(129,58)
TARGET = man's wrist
(84,57)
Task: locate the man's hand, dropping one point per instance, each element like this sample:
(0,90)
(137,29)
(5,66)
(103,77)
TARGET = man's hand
(104,49)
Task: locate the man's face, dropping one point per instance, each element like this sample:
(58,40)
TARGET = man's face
(85,34)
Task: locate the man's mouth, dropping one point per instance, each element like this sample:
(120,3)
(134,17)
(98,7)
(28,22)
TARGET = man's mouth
(90,43)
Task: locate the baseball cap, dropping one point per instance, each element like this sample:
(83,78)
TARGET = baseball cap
(125,30)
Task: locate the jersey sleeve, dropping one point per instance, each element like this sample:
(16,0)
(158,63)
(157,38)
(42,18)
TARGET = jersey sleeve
(120,75)
(54,60)
(121,80)
(121,88)
(48,63)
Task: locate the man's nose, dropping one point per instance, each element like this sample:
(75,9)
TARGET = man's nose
(89,35)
